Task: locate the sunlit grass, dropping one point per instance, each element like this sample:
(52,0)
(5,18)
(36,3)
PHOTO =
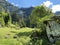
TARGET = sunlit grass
(13,36)
(7,36)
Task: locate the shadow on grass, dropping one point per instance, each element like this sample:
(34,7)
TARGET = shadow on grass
(24,34)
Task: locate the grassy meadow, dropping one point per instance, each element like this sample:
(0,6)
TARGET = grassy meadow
(21,36)
(13,36)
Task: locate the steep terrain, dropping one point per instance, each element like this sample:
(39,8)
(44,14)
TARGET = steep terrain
(22,11)
(17,14)
(6,5)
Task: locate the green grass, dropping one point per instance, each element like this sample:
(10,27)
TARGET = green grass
(13,36)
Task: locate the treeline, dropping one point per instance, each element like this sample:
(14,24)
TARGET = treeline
(35,19)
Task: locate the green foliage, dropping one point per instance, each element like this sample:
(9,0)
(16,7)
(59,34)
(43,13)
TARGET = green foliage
(22,22)
(39,15)
(15,17)
(4,17)
(57,42)
(18,19)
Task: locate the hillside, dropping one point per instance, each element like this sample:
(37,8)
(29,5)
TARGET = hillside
(17,14)
(12,36)
(8,6)
(57,13)
(26,11)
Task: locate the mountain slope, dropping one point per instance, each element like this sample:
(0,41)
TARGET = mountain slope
(20,15)
(6,5)
(26,11)
(22,11)
(57,13)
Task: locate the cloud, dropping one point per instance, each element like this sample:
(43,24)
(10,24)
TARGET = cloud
(47,3)
(14,4)
(6,0)
(55,8)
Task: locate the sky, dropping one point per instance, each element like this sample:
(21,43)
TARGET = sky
(53,4)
